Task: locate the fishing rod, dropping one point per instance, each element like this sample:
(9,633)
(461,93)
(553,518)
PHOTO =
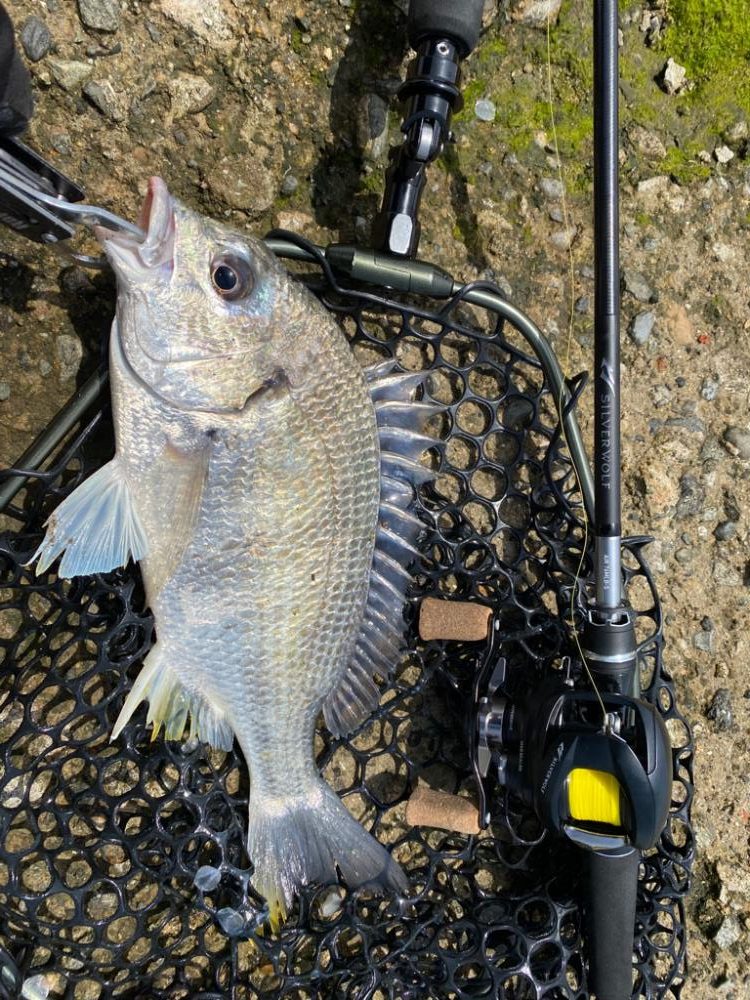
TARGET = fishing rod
(589,754)
(609,642)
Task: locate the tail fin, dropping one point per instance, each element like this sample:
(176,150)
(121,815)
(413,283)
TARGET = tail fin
(305,842)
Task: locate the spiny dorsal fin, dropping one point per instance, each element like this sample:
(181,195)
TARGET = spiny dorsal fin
(401,423)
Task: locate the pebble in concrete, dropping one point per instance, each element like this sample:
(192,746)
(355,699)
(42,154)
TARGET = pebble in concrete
(673,77)
(101,15)
(738,438)
(35,39)
(641,327)
(485,110)
(720,710)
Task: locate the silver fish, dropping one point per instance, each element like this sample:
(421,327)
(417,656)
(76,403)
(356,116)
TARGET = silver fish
(263,482)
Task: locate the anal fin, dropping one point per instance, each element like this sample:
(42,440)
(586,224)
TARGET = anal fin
(96,528)
(171,704)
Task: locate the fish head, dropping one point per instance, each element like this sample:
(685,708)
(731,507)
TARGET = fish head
(205,315)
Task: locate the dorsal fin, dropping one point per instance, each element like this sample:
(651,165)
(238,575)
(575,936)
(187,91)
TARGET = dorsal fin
(401,423)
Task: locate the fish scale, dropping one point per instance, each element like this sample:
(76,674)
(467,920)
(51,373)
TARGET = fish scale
(294,633)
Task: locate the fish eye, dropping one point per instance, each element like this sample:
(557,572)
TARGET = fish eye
(231,277)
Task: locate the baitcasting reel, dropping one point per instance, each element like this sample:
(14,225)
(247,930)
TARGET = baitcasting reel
(602,783)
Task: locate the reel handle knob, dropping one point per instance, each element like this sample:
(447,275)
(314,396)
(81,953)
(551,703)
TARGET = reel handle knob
(612,892)
(460,21)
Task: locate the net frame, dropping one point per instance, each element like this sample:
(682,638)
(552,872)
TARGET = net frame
(122,866)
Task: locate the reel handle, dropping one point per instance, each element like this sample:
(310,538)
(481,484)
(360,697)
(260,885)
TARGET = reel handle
(612,892)
(459,21)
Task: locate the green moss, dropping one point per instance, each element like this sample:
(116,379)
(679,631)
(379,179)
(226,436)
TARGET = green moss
(645,103)
(575,59)
(570,48)
(574,127)
(683,166)
(519,116)
(711,39)
(489,58)
(709,35)
(472,92)
(522,106)
(296,41)
(372,182)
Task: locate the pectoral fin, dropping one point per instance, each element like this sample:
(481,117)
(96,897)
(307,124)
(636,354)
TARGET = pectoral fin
(97,527)
(179,478)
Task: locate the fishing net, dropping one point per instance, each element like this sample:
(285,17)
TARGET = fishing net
(123,871)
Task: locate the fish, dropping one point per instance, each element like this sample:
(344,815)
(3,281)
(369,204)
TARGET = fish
(264,482)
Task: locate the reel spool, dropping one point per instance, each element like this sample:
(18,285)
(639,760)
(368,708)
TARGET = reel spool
(122,866)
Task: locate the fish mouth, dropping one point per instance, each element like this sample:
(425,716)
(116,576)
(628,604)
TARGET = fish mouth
(132,256)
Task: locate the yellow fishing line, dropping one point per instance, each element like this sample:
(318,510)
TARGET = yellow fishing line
(566,364)
(594,796)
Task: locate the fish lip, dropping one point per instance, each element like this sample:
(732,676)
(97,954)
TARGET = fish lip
(134,257)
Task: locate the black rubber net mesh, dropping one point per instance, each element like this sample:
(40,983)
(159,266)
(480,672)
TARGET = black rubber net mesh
(122,865)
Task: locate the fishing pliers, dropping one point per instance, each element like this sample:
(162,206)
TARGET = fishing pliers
(36,199)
